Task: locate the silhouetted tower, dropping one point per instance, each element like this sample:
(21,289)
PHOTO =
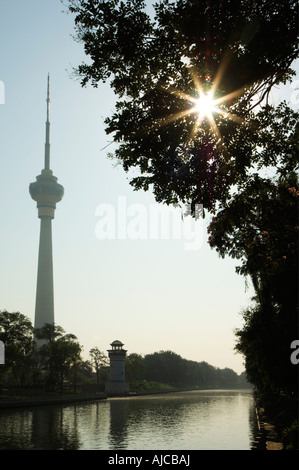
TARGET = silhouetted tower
(117,384)
(46,192)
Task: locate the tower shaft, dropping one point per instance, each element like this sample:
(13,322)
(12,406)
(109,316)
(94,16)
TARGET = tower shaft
(44,305)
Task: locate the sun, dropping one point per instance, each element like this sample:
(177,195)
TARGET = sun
(205,105)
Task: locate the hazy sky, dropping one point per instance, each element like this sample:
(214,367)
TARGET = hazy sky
(152,294)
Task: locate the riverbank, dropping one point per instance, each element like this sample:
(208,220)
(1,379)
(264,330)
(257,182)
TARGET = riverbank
(277,418)
(162,391)
(267,437)
(23,401)
(46,400)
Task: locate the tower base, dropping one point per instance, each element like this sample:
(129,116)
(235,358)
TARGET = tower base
(116,388)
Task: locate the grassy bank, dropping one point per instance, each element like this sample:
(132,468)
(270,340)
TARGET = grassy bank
(149,386)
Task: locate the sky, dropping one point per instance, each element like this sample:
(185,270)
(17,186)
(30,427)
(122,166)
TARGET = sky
(169,292)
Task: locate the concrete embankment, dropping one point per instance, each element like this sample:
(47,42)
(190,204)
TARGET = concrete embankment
(40,401)
(53,400)
(267,437)
(162,391)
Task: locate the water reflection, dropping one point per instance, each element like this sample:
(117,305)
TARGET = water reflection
(118,431)
(181,421)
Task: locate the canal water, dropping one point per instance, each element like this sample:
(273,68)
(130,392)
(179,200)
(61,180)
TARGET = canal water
(195,420)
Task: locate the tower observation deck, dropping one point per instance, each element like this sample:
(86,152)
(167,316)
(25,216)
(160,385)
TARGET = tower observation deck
(47,193)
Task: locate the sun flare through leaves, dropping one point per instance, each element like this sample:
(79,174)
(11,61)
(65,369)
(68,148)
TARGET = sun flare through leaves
(205,105)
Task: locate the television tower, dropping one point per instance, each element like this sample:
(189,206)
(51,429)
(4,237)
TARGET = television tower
(46,192)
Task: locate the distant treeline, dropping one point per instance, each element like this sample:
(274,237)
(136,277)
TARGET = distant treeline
(57,364)
(169,368)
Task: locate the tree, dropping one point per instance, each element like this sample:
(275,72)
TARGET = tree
(264,341)
(165,367)
(135,368)
(60,355)
(260,228)
(16,332)
(99,360)
(159,66)
(85,372)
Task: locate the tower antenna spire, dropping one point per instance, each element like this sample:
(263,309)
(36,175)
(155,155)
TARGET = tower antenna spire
(47,144)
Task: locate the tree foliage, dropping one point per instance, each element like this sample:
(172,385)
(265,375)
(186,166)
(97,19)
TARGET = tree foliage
(260,228)
(16,332)
(134,368)
(43,357)
(265,341)
(98,360)
(155,63)
(170,368)
(60,355)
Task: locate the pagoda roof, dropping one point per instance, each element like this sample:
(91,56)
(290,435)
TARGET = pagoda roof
(117,343)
